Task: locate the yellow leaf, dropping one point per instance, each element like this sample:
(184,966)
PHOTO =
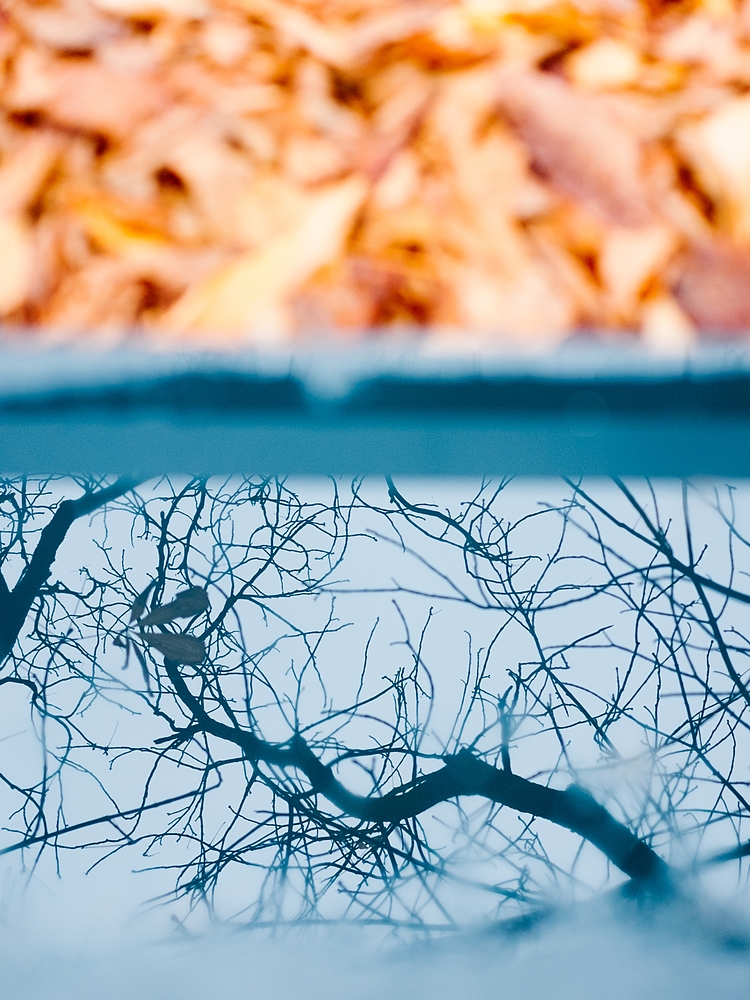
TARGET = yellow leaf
(115,235)
(604,63)
(718,149)
(665,328)
(248,293)
(150,8)
(24,172)
(16,263)
(630,257)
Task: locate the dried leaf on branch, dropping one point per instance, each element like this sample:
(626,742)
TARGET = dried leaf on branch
(187,604)
(178,647)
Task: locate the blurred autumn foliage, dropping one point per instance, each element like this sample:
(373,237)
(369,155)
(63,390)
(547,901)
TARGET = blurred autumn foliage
(259,170)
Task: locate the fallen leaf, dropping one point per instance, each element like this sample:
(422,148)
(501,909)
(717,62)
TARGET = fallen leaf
(714,288)
(604,64)
(267,169)
(193,82)
(343,46)
(101,295)
(531,304)
(155,8)
(16,263)
(310,160)
(629,258)
(107,224)
(227,39)
(718,150)
(316,104)
(25,170)
(74,27)
(577,145)
(115,103)
(567,22)
(665,327)
(350,296)
(399,184)
(704,40)
(247,296)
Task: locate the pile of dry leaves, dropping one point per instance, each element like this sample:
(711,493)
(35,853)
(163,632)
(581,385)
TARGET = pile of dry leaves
(257,170)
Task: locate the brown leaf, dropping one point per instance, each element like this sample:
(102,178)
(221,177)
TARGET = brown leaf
(83,94)
(103,295)
(341,46)
(714,288)
(351,296)
(708,40)
(531,303)
(181,648)
(572,140)
(310,160)
(193,82)
(73,28)
(185,605)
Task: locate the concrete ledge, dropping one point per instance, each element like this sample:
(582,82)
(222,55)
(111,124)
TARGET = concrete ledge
(350,413)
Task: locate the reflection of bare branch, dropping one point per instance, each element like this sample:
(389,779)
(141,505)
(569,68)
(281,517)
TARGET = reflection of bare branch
(15,604)
(659,542)
(594,648)
(463,774)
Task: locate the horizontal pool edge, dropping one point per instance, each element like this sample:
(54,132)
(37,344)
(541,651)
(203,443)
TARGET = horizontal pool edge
(571,444)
